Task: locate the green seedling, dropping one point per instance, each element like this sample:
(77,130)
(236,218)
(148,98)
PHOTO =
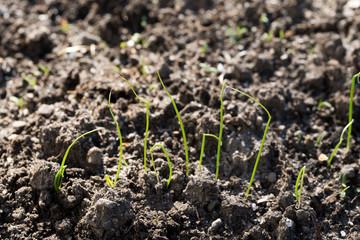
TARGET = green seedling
(324,103)
(343,180)
(240,30)
(44,69)
(203,146)
(31,81)
(341,139)
(264,18)
(147,120)
(281,34)
(231,35)
(356,76)
(297,192)
(262,142)
(208,68)
(181,125)
(311,50)
(117,69)
(132,42)
(218,138)
(143,21)
(268,36)
(143,67)
(204,48)
(168,159)
(108,180)
(318,140)
(343,192)
(18,101)
(36,72)
(60,174)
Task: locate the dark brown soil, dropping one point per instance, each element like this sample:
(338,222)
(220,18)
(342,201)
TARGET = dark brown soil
(196,45)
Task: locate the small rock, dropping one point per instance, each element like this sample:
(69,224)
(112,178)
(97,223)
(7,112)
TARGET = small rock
(215,225)
(42,174)
(45,110)
(85,38)
(349,170)
(63,226)
(272,177)
(323,158)
(94,157)
(302,215)
(18,124)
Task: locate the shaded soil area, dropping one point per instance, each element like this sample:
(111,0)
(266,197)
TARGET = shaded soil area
(289,55)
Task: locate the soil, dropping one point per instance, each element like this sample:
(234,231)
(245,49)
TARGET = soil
(289,55)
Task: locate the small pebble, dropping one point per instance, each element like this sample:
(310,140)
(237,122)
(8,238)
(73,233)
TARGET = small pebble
(343,233)
(289,223)
(215,225)
(323,158)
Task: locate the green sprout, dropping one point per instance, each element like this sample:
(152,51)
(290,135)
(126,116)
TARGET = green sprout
(44,69)
(168,159)
(262,142)
(343,192)
(208,68)
(324,103)
(341,139)
(147,120)
(204,48)
(31,81)
(281,34)
(203,146)
(343,180)
(143,67)
(240,30)
(181,125)
(264,18)
(350,108)
(18,101)
(298,193)
(268,36)
(117,69)
(212,135)
(318,140)
(143,21)
(231,35)
(108,181)
(311,50)
(60,174)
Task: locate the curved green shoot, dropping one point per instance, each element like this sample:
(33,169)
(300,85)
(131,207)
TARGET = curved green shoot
(350,108)
(108,181)
(262,142)
(343,192)
(168,159)
(181,125)
(297,192)
(341,139)
(60,174)
(203,146)
(220,131)
(147,120)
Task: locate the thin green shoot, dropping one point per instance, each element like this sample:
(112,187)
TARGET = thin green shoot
(168,159)
(208,68)
(117,69)
(220,130)
(268,36)
(324,103)
(318,140)
(181,125)
(231,35)
(204,48)
(60,174)
(241,30)
(341,139)
(343,180)
(262,142)
(31,81)
(123,44)
(203,146)
(152,86)
(264,18)
(311,50)
(281,34)
(143,67)
(143,21)
(44,69)
(351,108)
(18,101)
(343,192)
(298,192)
(108,180)
(147,119)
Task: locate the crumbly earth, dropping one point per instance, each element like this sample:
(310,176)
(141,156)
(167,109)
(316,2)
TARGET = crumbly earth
(289,55)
